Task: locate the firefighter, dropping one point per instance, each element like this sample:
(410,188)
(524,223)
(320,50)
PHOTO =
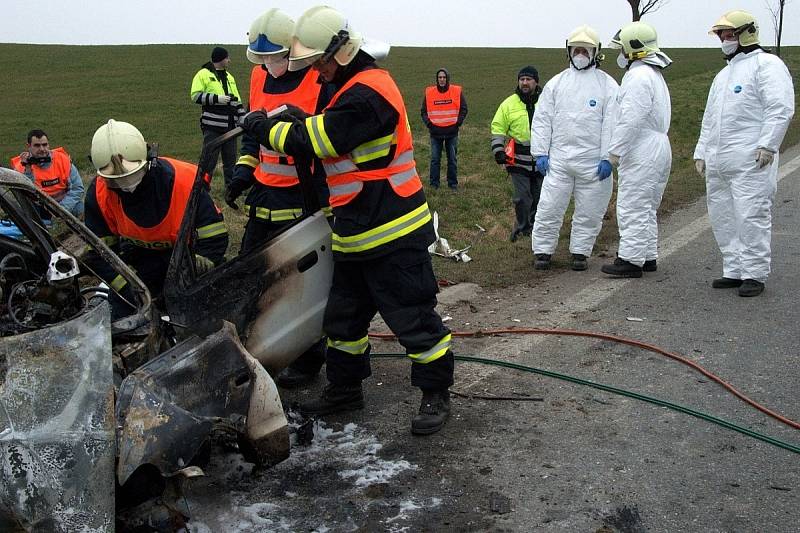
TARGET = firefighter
(52,171)
(136,204)
(511,147)
(275,198)
(382,222)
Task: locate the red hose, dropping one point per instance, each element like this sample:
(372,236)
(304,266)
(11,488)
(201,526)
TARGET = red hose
(621,340)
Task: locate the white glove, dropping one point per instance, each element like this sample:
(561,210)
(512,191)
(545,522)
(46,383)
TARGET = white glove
(700,166)
(614,160)
(223,99)
(764,157)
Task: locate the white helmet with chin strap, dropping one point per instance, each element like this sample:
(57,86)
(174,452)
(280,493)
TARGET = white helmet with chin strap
(119,153)
(584,37)
(323,33)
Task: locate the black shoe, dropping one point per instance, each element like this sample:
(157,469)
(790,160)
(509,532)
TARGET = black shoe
(290,378)
(435,185)
(726,283)
(650,266)
(579,262)
(542,262)
(334,399)
(453,187)
(751,287)
(622,269)
(513,237)
(433,412)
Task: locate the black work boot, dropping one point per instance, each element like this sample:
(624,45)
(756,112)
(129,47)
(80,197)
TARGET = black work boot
(542,262)
(334,399)
(751,287)
(513,236)
(291,378)
(650,266)
(622,269)
(433,412)
(579,262)
(726,283)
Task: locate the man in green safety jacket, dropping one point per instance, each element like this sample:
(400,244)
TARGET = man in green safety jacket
(511,147)
(382,223)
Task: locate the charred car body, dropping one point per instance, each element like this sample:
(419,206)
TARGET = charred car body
(65,440)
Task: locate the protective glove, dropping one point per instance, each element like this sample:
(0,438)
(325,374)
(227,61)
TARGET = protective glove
(614,160)
(222,99)
(543,164)
(232,192)
(764,157)
(604,169)
(202,264)
(500,157)
(257,125)
(700,166)
(292,113)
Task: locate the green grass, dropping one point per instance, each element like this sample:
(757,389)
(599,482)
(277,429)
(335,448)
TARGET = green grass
(70,90)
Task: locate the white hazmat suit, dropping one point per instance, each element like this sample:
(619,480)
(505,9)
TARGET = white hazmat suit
(572,126)
(640,140)
(750,105)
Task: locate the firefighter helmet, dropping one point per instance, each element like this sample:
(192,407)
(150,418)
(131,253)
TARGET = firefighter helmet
(637,40)
(742,23)
(270,34)
(118,151)
(323,33)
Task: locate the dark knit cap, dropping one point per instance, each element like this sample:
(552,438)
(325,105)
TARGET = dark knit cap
(218,54)
(529,71)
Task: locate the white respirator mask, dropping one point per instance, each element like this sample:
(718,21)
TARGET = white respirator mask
(277,66)
(729,47)
(581,61)
(622,61)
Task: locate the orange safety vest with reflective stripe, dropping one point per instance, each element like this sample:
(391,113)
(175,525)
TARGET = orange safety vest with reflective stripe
(443,107)
(345,181)
(165,233)
(271,170)
(53,180)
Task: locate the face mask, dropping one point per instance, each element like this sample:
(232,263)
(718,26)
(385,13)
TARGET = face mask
(581,61)
(622,61)
(278,68)
(729,47)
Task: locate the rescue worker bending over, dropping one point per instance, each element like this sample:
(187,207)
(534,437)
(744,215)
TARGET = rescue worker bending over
(276,198)
(136,205)
(52,171)
(382,223)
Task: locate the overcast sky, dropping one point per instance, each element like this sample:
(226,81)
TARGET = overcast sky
(500,23)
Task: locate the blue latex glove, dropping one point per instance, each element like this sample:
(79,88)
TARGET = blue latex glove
(604,169)
(542,164)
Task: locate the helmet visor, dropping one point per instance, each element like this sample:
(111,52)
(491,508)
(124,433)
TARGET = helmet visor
(301,56)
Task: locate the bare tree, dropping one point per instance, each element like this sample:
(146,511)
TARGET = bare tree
(775,8)
(640,8)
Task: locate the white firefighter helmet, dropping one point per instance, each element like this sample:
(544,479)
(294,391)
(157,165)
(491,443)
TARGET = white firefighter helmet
(270,34)
(584,36)
(743,24)
(119,153)
(637,40)
(323,32)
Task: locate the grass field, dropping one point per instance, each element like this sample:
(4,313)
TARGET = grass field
(69,91)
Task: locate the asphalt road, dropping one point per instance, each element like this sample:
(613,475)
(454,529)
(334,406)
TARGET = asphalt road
(581,459)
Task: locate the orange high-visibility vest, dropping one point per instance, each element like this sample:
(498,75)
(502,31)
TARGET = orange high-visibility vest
(54,180)
(272,170)
(165,233)
(345,181)
(443,107)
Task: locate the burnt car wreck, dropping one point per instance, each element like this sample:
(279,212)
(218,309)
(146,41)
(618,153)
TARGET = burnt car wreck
(100,415)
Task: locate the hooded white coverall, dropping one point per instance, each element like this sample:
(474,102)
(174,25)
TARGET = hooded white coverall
(640,139)
(750,105)
(572,125)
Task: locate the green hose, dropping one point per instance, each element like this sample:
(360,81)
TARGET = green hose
(621,392)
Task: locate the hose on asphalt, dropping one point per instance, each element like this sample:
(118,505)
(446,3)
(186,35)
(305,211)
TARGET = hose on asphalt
(622,392)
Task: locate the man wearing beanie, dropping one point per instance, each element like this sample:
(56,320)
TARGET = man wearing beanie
(214,88)
(444,109)
(511,146)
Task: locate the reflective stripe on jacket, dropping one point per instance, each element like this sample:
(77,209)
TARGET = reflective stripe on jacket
(276,169)
(53,180)
(443,107)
